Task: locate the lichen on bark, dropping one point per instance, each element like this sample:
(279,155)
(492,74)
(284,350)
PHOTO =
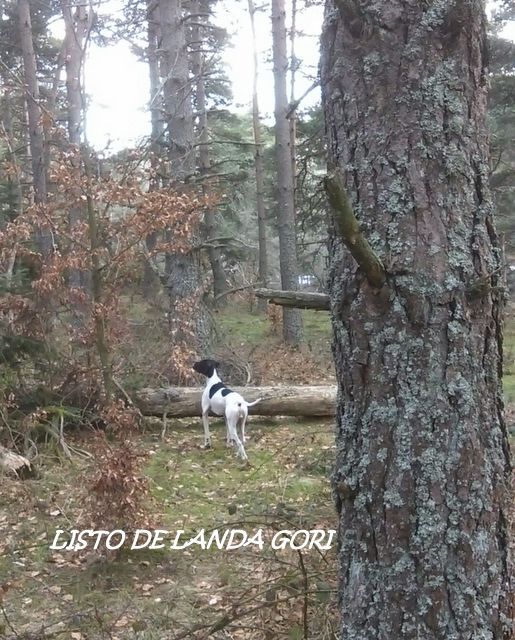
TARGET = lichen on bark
(422,470)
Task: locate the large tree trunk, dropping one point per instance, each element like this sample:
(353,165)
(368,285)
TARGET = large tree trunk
(191,326)
(34,113)
(259,163)
(184,402)
(176,90)
(292,318)
(151,281)
(423,463)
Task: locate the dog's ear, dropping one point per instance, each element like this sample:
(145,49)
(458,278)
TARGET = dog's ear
(195,366)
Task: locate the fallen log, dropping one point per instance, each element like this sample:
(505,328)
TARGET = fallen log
(297,299)
(184,402)
(13,463)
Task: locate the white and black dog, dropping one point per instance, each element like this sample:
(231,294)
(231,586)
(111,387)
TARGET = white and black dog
(222,401)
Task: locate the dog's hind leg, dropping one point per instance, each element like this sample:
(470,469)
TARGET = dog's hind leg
(239,445)
(242,422)
(230,442)
(232,423)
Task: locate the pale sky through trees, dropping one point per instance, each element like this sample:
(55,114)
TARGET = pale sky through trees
(117,82)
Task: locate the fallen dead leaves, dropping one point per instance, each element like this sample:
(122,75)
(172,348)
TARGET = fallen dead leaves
(89,597)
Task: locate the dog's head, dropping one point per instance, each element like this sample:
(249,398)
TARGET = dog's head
(206,367)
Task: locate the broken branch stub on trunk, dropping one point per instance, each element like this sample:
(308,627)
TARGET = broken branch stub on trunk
(350,232)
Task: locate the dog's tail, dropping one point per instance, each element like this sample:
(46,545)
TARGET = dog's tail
(251,404)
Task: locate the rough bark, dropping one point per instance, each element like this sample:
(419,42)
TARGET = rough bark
(150,278)
(423,463)
(292,318)
(259,166)
(296,299)
(176,90)
(183,268)
(34,115)
(184,402)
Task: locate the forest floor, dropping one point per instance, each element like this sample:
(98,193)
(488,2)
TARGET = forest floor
(151,594)
(247,593)
(147,594)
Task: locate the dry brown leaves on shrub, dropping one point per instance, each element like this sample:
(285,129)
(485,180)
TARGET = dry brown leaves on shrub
(117,494)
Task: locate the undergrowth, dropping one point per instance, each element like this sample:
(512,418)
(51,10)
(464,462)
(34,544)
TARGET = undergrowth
(246,593)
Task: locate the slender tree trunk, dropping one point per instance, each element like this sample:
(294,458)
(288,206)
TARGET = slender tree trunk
(34,113)
(76,27)
(292,318)
(101,333)
(259,165)
(423,463)
(293,116)
(183,269)
(204,161)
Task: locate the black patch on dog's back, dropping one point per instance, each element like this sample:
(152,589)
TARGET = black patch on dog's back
(216,387)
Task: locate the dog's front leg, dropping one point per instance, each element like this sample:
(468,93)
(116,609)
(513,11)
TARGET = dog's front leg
(207,435)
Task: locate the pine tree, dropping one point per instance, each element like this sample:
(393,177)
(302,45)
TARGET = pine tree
(416,281)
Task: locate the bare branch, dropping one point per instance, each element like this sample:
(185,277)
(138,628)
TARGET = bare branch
(293,106)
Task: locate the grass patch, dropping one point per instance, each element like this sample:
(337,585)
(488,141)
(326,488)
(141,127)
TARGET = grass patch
(200,488)
(161,593)
(238,325)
